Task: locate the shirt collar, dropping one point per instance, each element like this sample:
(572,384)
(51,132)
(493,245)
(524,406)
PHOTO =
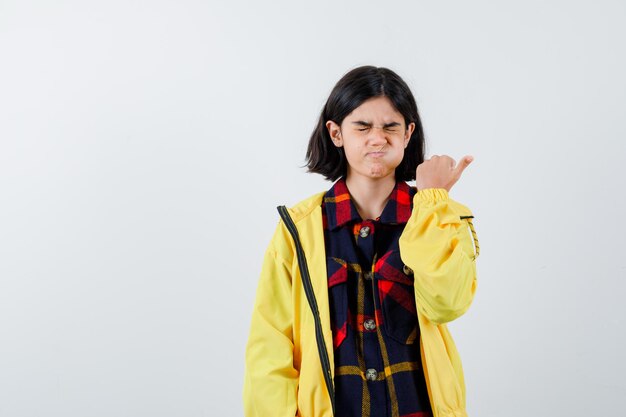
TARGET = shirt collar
(340,209)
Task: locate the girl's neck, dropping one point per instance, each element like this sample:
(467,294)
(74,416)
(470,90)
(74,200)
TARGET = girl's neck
(370,195)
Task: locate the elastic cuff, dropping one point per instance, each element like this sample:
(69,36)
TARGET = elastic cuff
(431,195)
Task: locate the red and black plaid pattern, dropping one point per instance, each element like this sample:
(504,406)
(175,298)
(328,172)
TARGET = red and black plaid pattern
(378,369)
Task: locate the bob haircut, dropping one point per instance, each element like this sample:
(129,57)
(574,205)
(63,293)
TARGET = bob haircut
(355,87)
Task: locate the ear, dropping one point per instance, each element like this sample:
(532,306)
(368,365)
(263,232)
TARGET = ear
(334,131)
(408,133)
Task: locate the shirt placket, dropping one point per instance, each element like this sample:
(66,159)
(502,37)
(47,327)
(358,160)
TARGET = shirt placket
(369,346)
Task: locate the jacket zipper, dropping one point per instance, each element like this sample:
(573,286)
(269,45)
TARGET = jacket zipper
(310,295)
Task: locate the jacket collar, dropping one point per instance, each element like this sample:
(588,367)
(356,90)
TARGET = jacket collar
(340,208)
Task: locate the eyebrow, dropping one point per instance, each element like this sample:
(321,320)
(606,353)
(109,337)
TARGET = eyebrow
(363,123)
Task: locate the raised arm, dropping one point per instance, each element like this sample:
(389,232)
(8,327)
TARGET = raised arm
(440,245)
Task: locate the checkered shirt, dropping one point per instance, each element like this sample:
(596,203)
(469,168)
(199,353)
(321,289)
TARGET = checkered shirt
(378,369)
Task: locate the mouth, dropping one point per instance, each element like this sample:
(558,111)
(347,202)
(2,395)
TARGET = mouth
(376,154)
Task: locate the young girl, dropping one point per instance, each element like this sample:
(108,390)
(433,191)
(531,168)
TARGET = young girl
(359,281)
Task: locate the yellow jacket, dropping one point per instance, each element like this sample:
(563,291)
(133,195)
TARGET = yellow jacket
(284,362)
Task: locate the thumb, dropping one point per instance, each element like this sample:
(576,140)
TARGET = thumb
(467,159)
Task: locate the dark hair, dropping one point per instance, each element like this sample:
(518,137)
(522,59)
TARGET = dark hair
(355,87)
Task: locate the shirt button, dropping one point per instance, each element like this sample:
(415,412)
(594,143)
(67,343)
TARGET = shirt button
(365,230)
(371,374)
(407,270)
(369,324)
(368,275)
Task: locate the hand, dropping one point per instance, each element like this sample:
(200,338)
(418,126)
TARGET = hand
(440,172)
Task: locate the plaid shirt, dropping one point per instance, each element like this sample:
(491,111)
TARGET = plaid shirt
(378,368)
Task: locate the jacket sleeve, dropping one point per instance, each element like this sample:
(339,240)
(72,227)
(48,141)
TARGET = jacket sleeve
(440,245)
(270,379)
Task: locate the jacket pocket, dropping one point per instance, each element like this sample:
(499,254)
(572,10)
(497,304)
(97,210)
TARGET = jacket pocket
(395,283)
(338,299)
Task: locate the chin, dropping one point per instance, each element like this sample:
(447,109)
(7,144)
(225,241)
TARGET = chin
(375,172)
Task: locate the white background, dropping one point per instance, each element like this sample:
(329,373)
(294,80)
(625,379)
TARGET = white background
(144,147)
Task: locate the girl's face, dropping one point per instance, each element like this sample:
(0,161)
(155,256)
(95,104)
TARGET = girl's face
(373,138)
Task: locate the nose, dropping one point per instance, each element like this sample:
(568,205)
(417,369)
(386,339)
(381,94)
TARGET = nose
(377,137)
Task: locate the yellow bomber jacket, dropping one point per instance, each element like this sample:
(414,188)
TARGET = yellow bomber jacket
(284,370)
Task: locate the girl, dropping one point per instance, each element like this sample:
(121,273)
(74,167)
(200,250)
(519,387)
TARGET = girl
(359,281)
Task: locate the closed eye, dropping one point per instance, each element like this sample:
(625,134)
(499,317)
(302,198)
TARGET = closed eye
(389,129)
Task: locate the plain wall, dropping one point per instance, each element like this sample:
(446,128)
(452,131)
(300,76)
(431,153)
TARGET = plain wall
(144,147)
